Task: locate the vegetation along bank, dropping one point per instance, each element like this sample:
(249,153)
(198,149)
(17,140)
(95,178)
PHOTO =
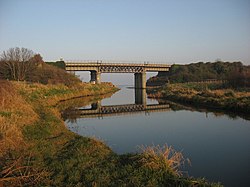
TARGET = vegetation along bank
(36,149)
(219,85)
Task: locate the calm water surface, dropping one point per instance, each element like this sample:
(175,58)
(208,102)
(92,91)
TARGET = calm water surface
(217,145)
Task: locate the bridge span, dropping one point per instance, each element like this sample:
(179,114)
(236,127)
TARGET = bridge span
(98,67)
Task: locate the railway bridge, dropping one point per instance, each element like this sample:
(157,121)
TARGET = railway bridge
(98,67)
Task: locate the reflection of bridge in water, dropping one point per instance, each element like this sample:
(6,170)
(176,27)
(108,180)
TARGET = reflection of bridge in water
(100,111)
(97,110)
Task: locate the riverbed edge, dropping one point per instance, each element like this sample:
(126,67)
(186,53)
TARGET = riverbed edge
(220,99)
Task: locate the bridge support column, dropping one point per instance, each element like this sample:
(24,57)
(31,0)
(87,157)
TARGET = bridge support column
(95,77)
(95,106)
(140,80)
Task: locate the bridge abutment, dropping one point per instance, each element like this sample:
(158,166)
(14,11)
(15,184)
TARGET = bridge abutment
(140,80)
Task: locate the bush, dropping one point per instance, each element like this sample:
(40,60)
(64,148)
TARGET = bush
(48,74)
(240,78)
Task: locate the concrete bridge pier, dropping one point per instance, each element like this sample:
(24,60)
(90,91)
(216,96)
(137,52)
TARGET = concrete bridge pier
(140,80)
(95,106)
(95,77)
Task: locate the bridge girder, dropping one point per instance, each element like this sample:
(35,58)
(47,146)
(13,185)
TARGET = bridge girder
(116,68)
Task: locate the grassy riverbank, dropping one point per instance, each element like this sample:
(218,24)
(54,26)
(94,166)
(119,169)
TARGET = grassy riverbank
(37,149)
(210,95)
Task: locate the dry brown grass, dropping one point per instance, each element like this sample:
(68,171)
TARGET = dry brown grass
(222,98)
(46,93)
(184,91)
(14,113)
(22,104)
(12,103)
(16,106)
(166,158)
(20,170)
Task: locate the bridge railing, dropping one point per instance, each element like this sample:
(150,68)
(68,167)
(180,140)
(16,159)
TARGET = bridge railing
(118,63)
(115,62)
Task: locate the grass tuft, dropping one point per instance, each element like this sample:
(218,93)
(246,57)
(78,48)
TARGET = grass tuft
(167,158)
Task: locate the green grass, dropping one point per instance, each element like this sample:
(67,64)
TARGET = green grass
(56,91)
(5,114)
(43,93)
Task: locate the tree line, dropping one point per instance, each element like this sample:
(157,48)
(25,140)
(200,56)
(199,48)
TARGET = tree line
(237,74)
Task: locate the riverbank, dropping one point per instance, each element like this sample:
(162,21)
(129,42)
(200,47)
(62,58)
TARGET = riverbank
(32,130)
(210,95)
(37,148)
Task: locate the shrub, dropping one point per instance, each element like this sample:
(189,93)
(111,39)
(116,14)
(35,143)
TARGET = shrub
(48,74)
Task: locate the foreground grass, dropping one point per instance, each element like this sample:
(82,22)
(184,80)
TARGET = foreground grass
(37,149)
(209,95)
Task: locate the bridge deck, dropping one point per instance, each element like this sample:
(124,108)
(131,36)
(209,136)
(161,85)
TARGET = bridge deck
(115,67)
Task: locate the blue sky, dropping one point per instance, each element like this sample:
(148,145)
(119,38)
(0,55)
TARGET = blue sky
(171,31)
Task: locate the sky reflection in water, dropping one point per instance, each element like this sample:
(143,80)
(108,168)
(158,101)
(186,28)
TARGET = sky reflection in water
(218,146)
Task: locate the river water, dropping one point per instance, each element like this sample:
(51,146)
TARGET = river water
(217,145)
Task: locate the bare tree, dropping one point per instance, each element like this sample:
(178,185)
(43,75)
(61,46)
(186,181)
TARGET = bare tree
(16,63)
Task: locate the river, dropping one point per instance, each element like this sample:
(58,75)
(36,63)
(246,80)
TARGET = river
(217,145)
